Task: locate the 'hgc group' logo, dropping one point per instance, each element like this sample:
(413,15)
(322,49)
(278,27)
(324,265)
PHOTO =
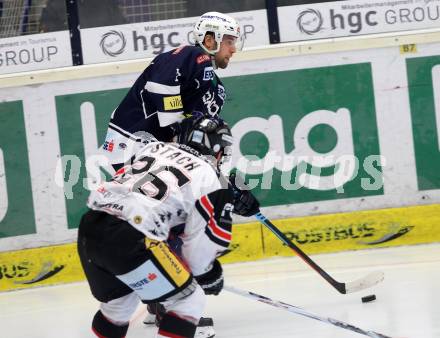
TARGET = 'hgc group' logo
(310,21)
(113,43)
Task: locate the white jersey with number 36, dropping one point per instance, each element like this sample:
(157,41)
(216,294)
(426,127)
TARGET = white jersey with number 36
(167,185)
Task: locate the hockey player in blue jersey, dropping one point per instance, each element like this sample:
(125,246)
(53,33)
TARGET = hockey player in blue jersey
(175,84)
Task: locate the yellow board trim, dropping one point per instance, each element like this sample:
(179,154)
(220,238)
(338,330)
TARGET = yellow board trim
(250,241)
(41,266)
(338,232)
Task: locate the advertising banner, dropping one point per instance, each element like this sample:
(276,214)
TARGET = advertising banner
(250,242)
(148,39)
(35,52)
(314,134)
(336,120)
(356,17)
(337,232)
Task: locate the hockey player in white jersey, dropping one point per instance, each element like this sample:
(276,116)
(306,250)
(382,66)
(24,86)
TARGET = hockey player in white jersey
(122,239)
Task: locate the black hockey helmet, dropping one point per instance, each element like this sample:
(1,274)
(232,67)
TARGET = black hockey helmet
(208,135)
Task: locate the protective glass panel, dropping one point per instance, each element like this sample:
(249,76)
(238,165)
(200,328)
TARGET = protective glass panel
(22,17)
(302,2)
(117,12)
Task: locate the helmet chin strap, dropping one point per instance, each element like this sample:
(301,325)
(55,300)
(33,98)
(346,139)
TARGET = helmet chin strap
(211,53)
(214,64)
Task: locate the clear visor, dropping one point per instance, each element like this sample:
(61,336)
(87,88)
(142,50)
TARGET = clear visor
(232,41)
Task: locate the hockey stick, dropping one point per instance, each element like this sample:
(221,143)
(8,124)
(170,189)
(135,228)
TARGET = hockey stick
(302,312)
(371,279)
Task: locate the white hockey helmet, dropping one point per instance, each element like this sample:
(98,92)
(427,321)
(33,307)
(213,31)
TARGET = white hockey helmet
(219,24)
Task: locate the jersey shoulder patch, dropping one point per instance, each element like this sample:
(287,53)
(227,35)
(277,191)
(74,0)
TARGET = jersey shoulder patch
(203,58)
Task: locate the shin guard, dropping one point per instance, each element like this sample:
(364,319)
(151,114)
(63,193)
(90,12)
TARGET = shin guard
(173,326)
(103,328)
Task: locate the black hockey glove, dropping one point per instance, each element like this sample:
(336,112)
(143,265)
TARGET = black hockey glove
(175,129)
(212,281)
(245,203)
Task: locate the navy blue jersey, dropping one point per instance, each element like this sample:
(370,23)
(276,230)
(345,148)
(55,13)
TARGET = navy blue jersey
(178,82)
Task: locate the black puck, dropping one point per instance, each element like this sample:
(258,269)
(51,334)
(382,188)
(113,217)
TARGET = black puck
(369,298)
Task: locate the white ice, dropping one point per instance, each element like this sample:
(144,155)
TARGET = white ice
(407,305)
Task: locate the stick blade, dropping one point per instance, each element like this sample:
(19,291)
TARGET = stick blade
(368,281)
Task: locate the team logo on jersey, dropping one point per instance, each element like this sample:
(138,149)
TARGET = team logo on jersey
(208,73)
(172,102)
(203,58)
(221,92)
(108,146)
(210,103)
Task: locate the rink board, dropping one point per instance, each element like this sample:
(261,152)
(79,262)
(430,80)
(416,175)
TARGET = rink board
(359,159)
(338,232)
(379,99)
(251,241)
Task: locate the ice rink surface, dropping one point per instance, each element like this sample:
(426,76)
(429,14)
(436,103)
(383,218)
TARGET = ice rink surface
(407,305)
